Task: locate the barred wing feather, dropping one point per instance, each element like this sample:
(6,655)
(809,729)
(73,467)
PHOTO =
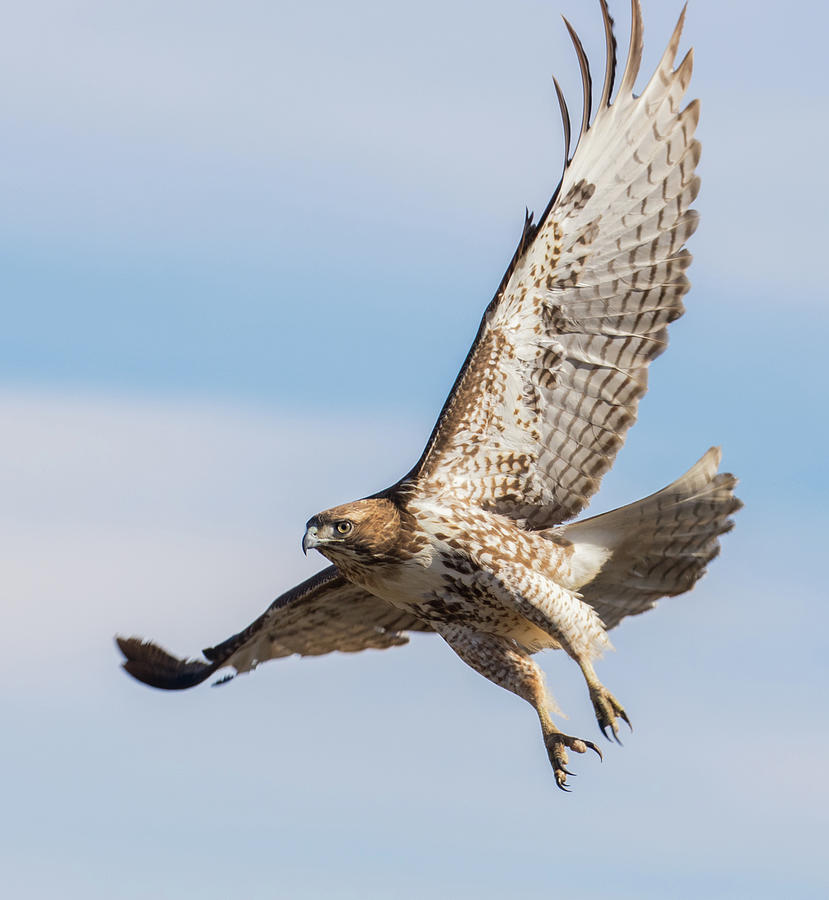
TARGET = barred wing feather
(321,615)
(553,380)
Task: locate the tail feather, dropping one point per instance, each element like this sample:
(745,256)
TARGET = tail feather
(658,546)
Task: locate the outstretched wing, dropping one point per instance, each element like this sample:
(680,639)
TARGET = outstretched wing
(553,380)
(323,614)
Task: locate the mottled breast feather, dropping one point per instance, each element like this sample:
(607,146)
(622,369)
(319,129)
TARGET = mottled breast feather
(553,380)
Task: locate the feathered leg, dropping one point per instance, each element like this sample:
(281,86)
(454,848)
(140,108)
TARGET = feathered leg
(505,664)
(583,639)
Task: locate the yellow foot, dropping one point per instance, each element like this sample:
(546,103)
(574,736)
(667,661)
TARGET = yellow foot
(607,708)
(556,742)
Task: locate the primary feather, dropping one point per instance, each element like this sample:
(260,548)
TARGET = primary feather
(553,381)
(323,614)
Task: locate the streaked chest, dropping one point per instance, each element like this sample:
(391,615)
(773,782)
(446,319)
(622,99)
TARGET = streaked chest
(470,561)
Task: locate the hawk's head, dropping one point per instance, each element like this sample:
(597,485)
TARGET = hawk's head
(365,531)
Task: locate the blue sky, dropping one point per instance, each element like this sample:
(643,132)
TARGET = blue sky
(243,251)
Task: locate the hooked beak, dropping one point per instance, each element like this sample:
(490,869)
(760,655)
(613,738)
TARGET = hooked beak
(310,539)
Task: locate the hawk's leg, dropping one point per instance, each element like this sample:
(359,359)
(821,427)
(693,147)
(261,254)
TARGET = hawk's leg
(607,707)
(505,664)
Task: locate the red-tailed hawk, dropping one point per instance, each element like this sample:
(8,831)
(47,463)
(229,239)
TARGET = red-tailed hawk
(470,544)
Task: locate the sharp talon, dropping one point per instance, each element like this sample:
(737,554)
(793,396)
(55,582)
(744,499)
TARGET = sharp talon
(616,738)
(624,716)
(593,747)
(563,787)
(603,729)
(566,771)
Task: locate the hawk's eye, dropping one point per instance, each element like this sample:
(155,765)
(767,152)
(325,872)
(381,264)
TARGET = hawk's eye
(343,527)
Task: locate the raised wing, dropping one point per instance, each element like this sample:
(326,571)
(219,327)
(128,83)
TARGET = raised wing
(553,380)
(323,614)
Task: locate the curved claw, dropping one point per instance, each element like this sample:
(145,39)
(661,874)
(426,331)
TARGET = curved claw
(614,732)
(555,744)
(624,717)
(563,787)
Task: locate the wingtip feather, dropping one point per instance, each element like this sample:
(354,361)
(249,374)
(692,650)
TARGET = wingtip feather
(634,58)
(154,666)
(673,43)
(586,80)
(610,56)
(565,120)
